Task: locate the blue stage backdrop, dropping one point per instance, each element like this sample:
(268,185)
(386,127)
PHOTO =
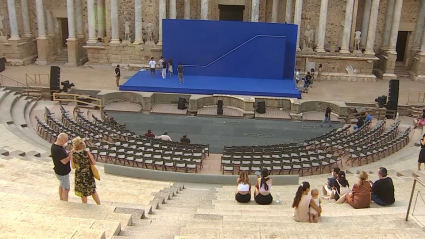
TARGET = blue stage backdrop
(231,49)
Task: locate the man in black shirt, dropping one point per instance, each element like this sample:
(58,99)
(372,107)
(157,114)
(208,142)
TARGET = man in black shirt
(327,117)
(62,168)
(180,70)
(185,139)
(327,187)
(118,75)
(383,189)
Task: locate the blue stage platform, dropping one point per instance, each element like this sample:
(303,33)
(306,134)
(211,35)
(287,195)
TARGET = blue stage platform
(208,85)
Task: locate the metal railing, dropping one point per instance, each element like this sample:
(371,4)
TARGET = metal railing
(36,78)
(419,194)
(82,99)
(416,97)
(7,81)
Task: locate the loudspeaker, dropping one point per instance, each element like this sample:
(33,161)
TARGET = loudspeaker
(182,104)
(393,92)
(220,104)
(394,88)
(2,64)
(261,107)
(55,76)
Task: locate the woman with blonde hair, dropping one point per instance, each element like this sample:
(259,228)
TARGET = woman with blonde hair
(360,196)
(84,179)
(243,191)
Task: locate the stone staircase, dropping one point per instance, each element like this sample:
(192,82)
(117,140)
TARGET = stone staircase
(400,70)
(62,57)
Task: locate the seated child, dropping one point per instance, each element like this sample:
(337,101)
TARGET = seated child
(314,216)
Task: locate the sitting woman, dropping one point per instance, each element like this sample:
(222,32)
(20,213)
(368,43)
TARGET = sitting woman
(243,191)
(262,193)
(302,203)
(421,120)
(361,193)
(341,186)
(84,179)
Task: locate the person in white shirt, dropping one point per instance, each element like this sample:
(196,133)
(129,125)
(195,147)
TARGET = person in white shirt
(152,65)
(164,137)
(297,76)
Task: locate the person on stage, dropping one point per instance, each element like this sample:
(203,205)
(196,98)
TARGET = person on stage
(170,67)
(180,70)
(152,65)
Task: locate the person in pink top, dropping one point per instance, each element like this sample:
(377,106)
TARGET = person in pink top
(303,202)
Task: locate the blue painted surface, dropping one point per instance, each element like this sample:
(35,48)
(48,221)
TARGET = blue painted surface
(142,81)
(231,49)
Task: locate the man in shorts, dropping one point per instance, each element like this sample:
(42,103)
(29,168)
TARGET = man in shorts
(327,187)
(152,65)
(180,70)
(61,160)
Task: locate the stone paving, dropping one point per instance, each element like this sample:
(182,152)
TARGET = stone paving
(364,92)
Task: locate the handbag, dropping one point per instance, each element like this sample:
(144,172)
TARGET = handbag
(93,168)
(94,171)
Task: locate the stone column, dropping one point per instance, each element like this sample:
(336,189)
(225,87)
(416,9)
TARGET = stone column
(71,42)
(347,27)
(388,23)
(395,26)
(162,15)
(322,26)
(114,23)
(186,9)
(91,21)
(79,17)
(42,41)
(138,36)
(204,9)
(173,9)
(25,18)
(14,31)
(255,11)
(419,26)
(71,21)
(50,23)
(423,44)
(353,24)
(370,43)
(365,22)
(275,10)
(40,19)
(288,13)
(297,19)
(101,18)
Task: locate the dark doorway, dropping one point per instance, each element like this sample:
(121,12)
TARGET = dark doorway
(401,45)
(231,12)
(64,27)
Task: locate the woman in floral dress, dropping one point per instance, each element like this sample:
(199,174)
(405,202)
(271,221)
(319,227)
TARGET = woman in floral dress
(84,181)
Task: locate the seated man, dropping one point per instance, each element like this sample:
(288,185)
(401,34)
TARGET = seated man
(383,189)
(149,134)
(164,137)
(112,121)
(185,139)
(360,123)
(327,187)
(368,117)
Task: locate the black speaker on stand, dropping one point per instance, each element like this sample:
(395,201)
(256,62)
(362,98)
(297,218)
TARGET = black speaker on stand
(393,93)
(2,64)
(55,78)
(261,107)
(182,104)
(220,107)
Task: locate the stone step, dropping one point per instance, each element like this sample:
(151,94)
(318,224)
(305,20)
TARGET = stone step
(5,107)
(29,230)
(109,227)
(70,209)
